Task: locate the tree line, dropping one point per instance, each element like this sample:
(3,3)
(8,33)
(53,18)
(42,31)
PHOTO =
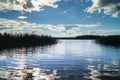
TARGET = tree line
(8,40)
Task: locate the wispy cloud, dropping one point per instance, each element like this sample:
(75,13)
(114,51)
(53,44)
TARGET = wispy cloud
(22,17)
(70,26)
(104,32)
(110,7)
(16,26)
(26,5)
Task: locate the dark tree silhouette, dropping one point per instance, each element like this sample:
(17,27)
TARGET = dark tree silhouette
(113,40)
(24,40)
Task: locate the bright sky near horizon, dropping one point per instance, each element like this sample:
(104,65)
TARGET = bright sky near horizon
(60,17)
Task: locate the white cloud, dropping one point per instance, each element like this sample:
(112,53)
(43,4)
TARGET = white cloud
(26,5)
(16,26)
(78,26)
(104,32)
(111,7)
(21,17)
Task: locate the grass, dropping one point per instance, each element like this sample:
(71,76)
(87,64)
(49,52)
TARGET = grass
(113,40)
(24,40)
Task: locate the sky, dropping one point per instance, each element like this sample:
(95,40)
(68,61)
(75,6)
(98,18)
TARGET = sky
(60,18)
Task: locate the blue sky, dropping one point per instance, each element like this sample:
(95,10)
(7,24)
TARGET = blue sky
(60,17)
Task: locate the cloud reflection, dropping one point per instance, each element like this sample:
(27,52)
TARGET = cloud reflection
(105,72)
(18,69)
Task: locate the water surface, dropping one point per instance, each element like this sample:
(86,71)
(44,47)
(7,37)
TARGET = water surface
(67,60)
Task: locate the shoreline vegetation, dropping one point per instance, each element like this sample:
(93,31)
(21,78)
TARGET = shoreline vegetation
(8,40)
(112,40)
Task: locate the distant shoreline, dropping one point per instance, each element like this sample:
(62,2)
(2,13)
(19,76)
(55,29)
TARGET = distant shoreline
(30,40)
(83,37)
(110,40)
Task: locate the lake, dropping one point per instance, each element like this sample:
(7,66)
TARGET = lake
(66,60)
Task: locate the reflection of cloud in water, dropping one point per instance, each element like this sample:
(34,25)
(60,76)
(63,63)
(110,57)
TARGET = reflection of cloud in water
(18,68)
(68,60)
(105,72)
(29,74)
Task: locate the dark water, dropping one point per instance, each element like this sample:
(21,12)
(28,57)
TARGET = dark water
(67,60)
